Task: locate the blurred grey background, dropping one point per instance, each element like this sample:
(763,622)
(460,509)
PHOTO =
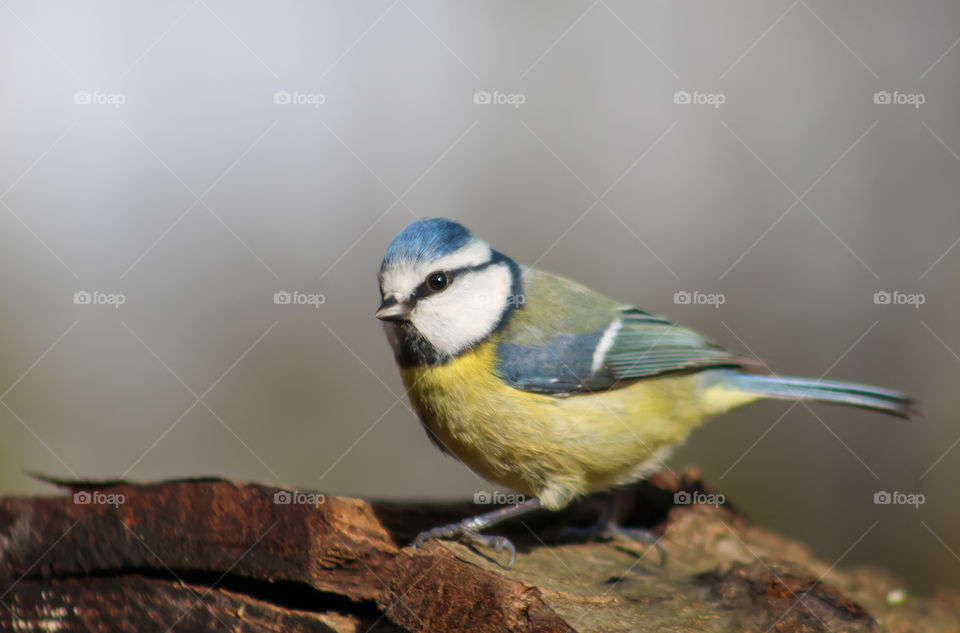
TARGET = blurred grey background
(190,159)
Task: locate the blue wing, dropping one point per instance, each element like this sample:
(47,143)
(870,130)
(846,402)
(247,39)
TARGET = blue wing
(561,365)
(567,339)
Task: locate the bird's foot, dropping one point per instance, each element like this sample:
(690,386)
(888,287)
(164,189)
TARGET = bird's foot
(613,532)
(466,531)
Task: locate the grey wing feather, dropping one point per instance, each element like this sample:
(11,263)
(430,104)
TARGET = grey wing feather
(648,345)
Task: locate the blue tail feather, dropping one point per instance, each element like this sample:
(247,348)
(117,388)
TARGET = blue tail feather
(846,393)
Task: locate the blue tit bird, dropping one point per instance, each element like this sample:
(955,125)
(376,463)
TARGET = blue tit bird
(545,387)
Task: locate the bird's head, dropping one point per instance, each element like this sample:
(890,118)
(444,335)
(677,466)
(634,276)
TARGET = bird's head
(443,290)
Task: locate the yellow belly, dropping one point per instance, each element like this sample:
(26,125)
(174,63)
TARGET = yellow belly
(552,447)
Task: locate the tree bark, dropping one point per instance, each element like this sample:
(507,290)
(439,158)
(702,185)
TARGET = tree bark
(209,554)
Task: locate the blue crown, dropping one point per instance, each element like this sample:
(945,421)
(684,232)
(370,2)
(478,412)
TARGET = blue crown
(425,240)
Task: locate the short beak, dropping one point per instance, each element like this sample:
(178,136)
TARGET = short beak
(393,310)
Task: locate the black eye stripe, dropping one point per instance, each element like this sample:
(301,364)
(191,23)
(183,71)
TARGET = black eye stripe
(423,290)
(471,269)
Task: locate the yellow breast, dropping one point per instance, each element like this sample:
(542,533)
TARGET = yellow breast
(557,447)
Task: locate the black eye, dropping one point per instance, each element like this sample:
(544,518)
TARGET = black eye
(437,281)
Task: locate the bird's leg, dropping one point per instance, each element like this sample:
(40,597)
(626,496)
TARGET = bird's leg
(468,530)
(608,528)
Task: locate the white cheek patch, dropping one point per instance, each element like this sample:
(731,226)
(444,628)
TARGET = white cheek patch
(467,311)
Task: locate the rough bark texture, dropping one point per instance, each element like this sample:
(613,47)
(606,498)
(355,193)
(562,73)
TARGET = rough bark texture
(208,555)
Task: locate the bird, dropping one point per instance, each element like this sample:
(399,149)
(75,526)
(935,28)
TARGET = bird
(541,385)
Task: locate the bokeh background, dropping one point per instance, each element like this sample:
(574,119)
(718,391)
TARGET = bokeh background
(190,159)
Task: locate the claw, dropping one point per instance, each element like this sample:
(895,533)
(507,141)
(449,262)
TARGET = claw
(613,532)
(499,544)
(464,530)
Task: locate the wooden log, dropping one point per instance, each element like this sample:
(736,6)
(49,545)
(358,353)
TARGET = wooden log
(210,554)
